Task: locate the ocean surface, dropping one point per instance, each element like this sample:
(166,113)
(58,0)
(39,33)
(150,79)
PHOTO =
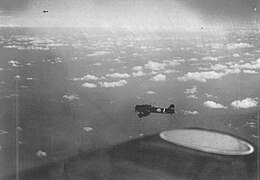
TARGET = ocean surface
(67,97)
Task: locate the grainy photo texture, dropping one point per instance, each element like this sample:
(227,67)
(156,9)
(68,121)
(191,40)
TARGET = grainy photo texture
(129,89)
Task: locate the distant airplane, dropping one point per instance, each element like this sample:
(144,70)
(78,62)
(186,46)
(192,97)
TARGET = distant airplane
(145,110)
(44,11)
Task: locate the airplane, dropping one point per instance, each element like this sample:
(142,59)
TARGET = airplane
(44,11)
(145,110)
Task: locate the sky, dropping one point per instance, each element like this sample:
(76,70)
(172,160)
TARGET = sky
(175,14)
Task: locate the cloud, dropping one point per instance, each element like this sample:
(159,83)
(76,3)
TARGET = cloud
(138,73)
(97,64)
(99,53)
(250,71)
(89,85)
(192,96)
(35,43)
(151,92)
(218,67)
(118,75)
(190,112)
(86,77)
(193,59)
(71,97)
(29,78)
(253,65)
(201,76)
(137,68)
(17,77)
(118,60)
(232,71)
(155,66)
(209,58)
(159,77)
(238,45)
(113,84)
(210,95)
(245,103)
(3,132)
(14,63)
(236,55)
(193,90)
(214,105)
(41,153)
(168,71)
(172,62)
(28,64)
(88,129)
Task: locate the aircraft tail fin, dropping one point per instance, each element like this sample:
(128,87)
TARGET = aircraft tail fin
(171,106)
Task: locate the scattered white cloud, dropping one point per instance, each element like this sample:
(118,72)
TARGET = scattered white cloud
(118,60)
(250,71)
(193,90)
(19,129)
(253,65)
(218,67)
(28,64)
(97,64)
(151,92)
(193,59)
(236,55)
(41,154)
(214,105)
(209,58)
(245,103)
(138,73)
(210,95)
(89,85)
(118,75)
(17,77)
(168,71)
(232,71)
(159,77)
(71,97)
(190,112)
(113,84)
(14,63)
(99,53)
(3,132)
(201,76)
(155,66)
(86,78)
(29,78)
(172,62)
(238,45)
(12,96)
(248,54)
(192,96)
(88,129)
(137,68)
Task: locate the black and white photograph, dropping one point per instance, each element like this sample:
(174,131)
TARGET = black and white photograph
(129,89)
